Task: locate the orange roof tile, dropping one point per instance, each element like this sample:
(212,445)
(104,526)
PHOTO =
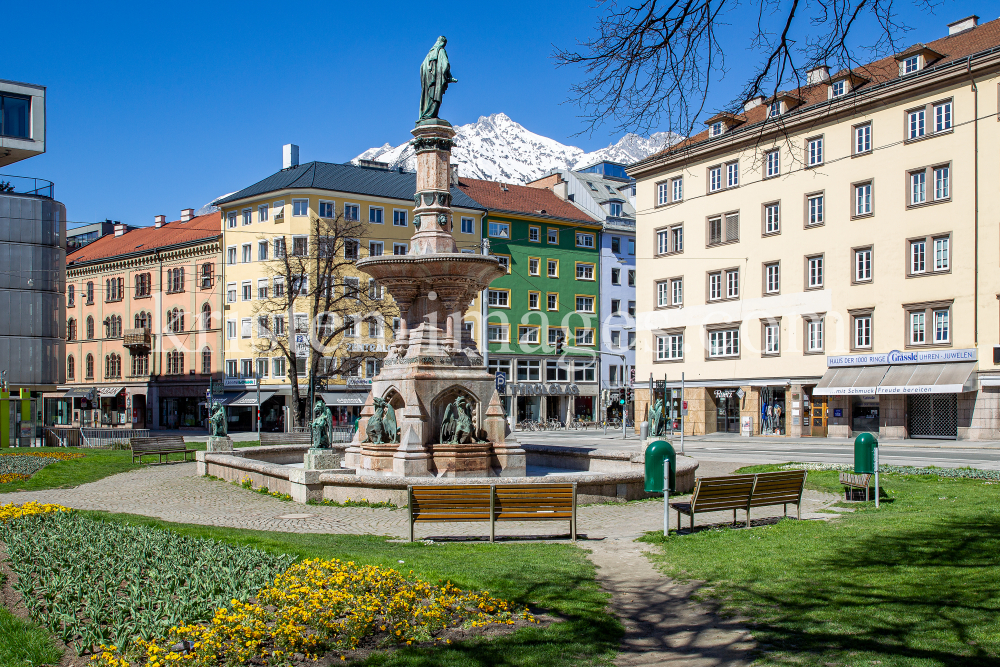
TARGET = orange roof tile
(521,199)
(144,239)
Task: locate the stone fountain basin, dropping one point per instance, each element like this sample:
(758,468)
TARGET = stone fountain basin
(601,475)
(435,268)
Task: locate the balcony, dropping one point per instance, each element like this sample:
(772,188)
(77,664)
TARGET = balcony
(137,339)
(26,185)
(620,223)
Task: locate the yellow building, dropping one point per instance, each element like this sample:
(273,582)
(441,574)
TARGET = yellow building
(278,213)
(825,262)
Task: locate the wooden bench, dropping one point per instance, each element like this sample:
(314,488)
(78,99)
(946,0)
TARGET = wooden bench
(744,492)
(162,445)
(492,503)
(855,481)
(285,438)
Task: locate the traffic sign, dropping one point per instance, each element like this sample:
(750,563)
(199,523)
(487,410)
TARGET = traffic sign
(501,379)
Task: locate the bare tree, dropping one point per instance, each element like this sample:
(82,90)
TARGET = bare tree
(651,64)
(319,306)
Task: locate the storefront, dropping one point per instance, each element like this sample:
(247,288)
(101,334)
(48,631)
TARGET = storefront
(183,411)
(345,406)
(727,409)
(552,400)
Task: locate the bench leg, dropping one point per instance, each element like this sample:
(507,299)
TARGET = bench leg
(785,507)
(493,513)
(748,517)
(798,510)
(734,517)
(692,521)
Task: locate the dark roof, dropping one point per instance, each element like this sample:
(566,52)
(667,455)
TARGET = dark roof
(522,199)
(344,178)
(145,239)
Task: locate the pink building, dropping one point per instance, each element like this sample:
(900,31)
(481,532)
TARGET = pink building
(143,327)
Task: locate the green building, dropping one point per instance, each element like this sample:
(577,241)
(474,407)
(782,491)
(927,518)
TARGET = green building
(549,296)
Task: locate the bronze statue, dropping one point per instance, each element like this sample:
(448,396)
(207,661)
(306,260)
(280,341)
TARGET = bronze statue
(381,428)
(656,420)
(435,75)
(217,424)
(456,427)
(322,426)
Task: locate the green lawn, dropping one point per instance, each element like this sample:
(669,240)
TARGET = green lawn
(553,578)
(915,583)
(95,465)
(24,644)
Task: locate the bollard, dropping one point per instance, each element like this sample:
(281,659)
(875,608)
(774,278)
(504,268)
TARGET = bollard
(666,498)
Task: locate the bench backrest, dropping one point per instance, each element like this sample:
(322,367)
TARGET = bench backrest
(285,438)
(722,493)
(852,479)
(518,501)
(460,502)
(775,488)
(160,443)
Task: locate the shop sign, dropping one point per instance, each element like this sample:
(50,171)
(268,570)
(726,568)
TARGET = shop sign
(897,357)
(540,389)
(240,382)
(741,393)
(838,412)
(366,347)
(301,345)
(724,393)
(359,382)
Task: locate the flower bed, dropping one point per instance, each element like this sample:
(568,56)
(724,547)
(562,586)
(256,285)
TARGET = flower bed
(92,583)
(319,607)
(16,466)
(12,511)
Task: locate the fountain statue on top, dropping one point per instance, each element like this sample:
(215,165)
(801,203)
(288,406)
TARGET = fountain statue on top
(448,414)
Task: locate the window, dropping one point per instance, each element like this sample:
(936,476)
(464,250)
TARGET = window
(262,290)
(535,234)
(504,261)
(814,210)
(724,343)
(631,277)
(231,219)
(942,183)
(399,218)
(942,117)
(584,371)
(231,293)
(552,301)
(90,367)
(663,242)
(814,335)
(616,244)
(262,216)
(352,212)
(246,368)
(375,248)
(527,335)
(528,370)
(327,209)
(942,330)
(498,298)
(732,174)
(714,286)
(553,268)
(90,327)
(278,367)
(732,284)
(918,328)
(534,300)
(714,179)
(662,294)
(498,333)
(772,278)
(352,249)
(773,109)
(616,276)
(918,187)
(940,260)
(352,287)
(247,290)
(584,304)
(300,207)
(499,230)
(863,139)
(716,128)
(615,209)
(862,199)
(863,265)
(838,89)
(862,331)
(915,124)
(772,218)
(910,65)
(279,211)
(616,340)
(552,235)
(662,193)
(719,233)
(772,161)
(534,266)
(584,271)
(279,325)
(300,246)
(70,368)
(375,214)
(677,189)
(772,337)
(247,216)
(814,153)
(231,329)
(399,248)
(71,329)
(279,288)
(261,368)
(467,225)
(670,347)
(814,272)
(584,240)
(247,253)
(15,119)
(676,294)
(71,294)
(279,247)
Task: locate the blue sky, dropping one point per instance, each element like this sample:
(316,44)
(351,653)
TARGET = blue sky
(155,107)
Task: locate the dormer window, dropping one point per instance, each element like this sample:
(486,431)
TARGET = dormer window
(615,209)
(838,89)
(774,109)
(718,128)
(911,64)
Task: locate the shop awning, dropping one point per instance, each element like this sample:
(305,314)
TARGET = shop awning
(78,392)
(109,392)
(227,398)
(344,399)
(929,379)
(242,398)
(850,381)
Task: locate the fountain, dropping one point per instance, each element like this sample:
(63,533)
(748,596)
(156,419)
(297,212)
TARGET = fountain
(446,417)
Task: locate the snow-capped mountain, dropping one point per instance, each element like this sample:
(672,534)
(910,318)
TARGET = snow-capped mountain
(498,149)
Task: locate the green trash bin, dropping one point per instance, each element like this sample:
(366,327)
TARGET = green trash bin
(656,453)
(864,453)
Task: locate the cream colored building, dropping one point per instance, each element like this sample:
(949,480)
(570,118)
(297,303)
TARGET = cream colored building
(280,209)
(826,262)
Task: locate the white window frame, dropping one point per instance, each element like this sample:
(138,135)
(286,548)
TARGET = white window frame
(772,163)
(863,139)
(297,206)
(677,189)
(943,118)
(772,218)
(815,277)
(715,286)
(772,338)
(863,332)
(732,174)
(471,224)
(398,213)
(863,199)
(715,178)
(815,335)
(724,343)
(396,247)
(916,124)
(670,347)
(814,152)
(815,210)
(942,315)
(262,213)
(496,298)
(498,333)
(772,278)
(863,265)
(677,291)
(376,212)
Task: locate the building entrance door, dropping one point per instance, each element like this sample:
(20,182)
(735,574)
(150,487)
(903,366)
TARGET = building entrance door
(727,411)
(818,413)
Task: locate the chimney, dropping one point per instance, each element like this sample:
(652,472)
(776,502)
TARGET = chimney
(753,102)
(186,214)
(453,175)
(119,229)
(289,156)
(968,23)
(818,74)
(159,221)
